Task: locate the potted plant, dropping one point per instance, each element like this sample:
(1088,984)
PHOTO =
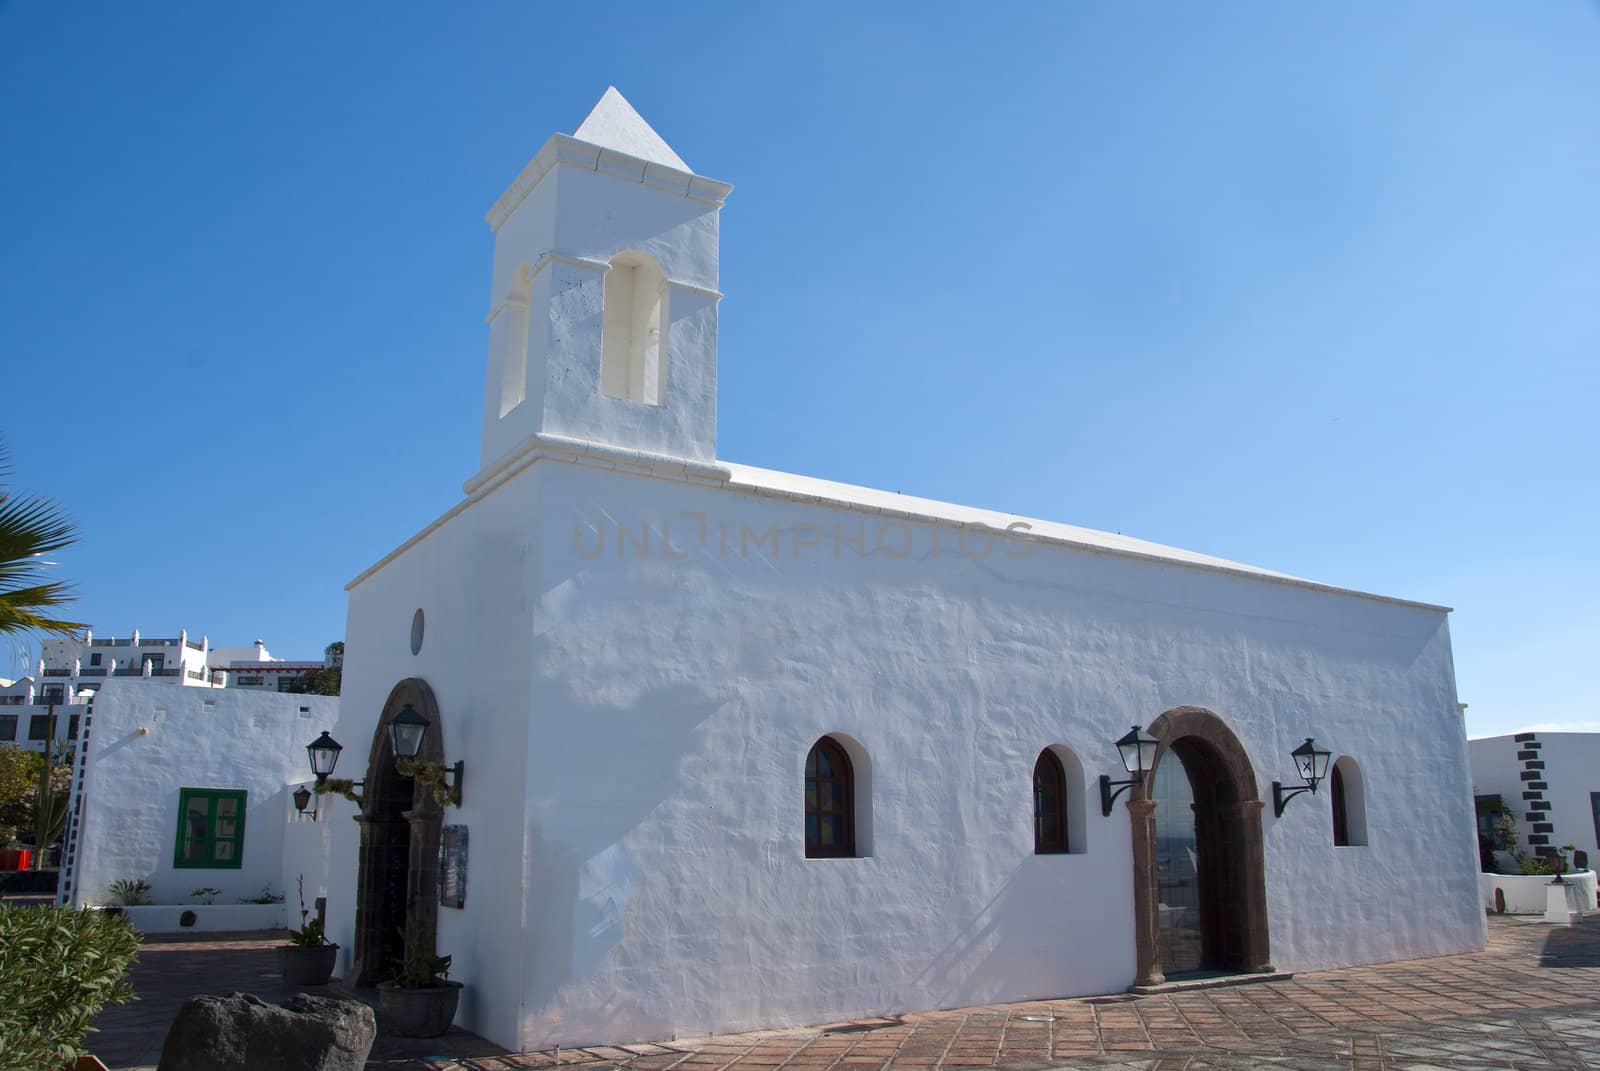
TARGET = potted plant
(130,892)
(309,957)
(420,1001)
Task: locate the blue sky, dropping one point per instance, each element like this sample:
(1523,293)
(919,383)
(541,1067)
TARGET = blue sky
(1315,287)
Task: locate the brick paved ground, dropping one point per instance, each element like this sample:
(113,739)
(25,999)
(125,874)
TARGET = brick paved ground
(173,967)
(1530,1001)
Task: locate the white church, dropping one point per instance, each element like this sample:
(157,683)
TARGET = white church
(741,749)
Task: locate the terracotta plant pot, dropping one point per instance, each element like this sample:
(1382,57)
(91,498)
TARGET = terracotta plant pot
(307,964)
(417,1013)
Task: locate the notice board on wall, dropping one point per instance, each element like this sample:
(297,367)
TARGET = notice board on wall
(453,866)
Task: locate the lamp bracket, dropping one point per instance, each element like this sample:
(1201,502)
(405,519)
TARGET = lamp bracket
(1281,796)
(1108,797)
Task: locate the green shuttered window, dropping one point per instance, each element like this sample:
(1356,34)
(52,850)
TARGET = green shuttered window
(210,829)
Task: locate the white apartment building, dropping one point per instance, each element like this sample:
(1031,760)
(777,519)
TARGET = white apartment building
(70,671)
(93,659)
(254,667)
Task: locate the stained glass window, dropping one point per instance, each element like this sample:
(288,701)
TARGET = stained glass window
(830,810)
(1049,805)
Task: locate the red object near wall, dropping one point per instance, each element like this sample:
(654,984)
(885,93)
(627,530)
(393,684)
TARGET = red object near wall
(15,858)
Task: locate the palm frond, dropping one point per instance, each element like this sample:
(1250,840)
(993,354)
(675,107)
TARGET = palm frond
(22,618)
(31,526)
(14,618)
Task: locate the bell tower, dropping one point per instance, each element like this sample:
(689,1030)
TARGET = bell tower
(603,307)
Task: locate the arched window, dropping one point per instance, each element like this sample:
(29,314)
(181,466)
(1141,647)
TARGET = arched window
(1049,805)
(1347,795)
(830,802)
(633,330)
(1341,825)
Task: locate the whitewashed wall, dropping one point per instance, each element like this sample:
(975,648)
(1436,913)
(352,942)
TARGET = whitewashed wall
(472,579)
(198,738)
(1495,770)
(1572,770)
(306,844)
(657,848)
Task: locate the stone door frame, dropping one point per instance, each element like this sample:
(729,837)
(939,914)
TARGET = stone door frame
(378,810)
(1228,823)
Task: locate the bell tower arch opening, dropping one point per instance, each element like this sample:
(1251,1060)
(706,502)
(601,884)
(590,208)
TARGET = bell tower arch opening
(635,322)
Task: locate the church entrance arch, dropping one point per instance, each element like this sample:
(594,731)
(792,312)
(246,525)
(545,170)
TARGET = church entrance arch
(1199,872)
(399,861)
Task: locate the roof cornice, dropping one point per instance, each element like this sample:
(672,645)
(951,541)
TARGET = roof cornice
(543,446)
(564,149)
(587,454)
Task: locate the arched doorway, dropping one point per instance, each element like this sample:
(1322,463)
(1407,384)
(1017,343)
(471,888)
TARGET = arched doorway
(399,860)
(1200,898)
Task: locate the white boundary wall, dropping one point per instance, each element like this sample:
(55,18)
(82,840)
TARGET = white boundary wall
(1524,894)
(212,918)
(147,741)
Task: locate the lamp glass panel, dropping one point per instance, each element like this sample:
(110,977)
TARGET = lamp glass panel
(1138,750)
(1319,760)
(1311,762)
(1147,750)
(324,753)
(407,739)
(1128,749)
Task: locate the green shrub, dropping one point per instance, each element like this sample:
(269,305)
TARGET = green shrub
(265,896)
(310,934)
(58,968)
(131,892)
(420,968)
(1546,864)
